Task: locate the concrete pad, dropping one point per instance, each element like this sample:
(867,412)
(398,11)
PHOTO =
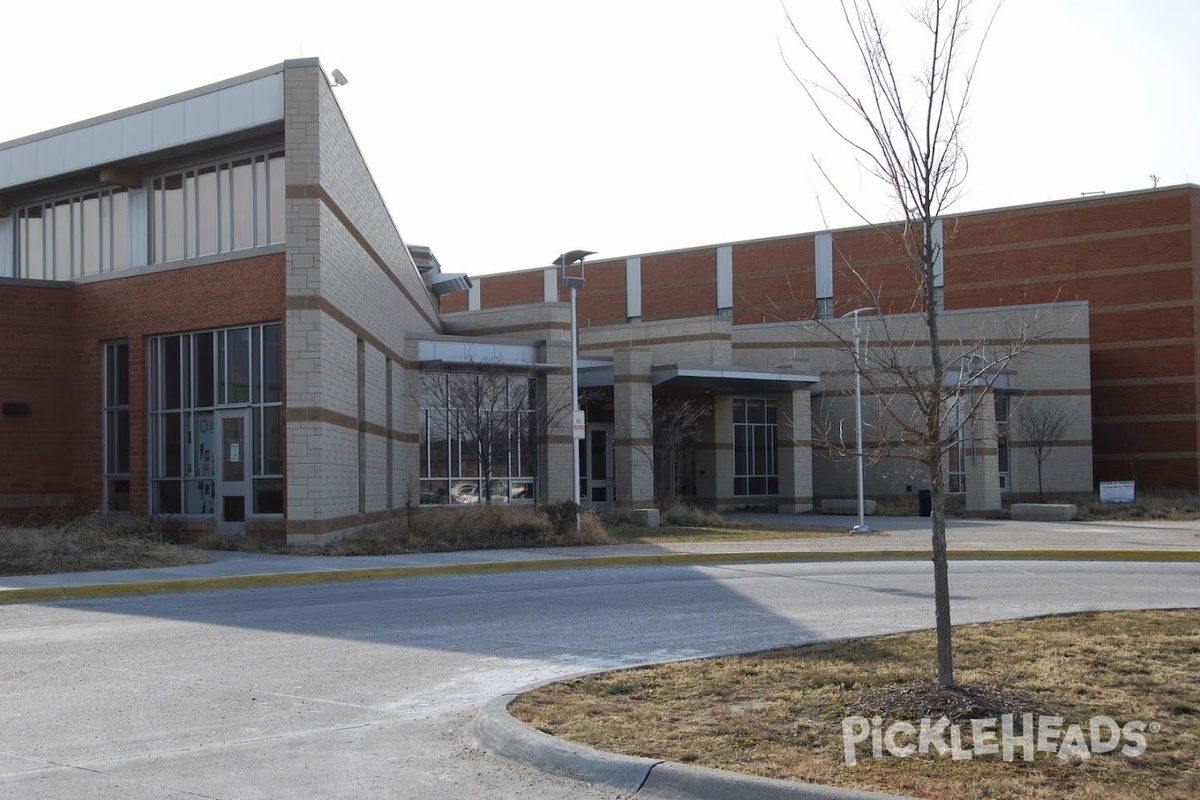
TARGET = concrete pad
(1043,512)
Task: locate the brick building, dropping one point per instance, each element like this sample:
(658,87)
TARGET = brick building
(208,313)
(1132,258)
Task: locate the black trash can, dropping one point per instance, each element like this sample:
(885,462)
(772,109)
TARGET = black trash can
(924,503)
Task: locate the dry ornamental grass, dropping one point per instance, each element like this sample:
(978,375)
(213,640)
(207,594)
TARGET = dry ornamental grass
(95,542)
(780,714)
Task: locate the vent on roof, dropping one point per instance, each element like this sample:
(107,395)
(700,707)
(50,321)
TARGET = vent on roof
(449,282)
(424,258)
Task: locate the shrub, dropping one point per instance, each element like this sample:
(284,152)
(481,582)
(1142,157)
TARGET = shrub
(682,515)
(493,527)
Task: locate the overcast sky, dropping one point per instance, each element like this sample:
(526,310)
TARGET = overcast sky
(504,133)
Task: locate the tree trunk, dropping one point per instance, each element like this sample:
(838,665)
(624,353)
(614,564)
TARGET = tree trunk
(933,459)
(941,575)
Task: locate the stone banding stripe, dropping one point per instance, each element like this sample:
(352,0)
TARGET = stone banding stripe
(317,192)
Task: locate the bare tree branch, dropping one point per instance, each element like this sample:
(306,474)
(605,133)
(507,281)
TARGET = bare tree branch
(908,134)
(1041,426)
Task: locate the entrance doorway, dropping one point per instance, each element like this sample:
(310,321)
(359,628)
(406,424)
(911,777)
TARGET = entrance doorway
(596,485)
(233,478)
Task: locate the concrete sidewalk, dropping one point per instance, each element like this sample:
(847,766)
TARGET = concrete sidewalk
(894,538)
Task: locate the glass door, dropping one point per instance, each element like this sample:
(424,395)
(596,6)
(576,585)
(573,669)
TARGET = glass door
(599,472)
(233,473)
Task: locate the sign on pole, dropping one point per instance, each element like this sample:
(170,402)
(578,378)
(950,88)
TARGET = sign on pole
(578,425)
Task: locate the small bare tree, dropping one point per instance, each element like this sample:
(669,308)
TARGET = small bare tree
(1041,426)
(674,423)
(907,131)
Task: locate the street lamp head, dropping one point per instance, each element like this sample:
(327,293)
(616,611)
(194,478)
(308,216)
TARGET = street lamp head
(858,311)
(572,256)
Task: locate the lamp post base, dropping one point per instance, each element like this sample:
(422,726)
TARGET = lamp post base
(861,529)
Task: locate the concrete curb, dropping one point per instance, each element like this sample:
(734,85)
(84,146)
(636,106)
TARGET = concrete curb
(498,732)
(33,594)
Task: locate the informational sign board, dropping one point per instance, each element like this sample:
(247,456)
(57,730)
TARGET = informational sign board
(579,425)
(1117,492)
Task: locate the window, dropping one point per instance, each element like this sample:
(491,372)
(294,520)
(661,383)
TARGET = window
(477,438)
(74,236)
(218,208)
(193,377)
(956,469)
(116,427)
(823,268)
(1002,440)
(824,308)
(755,460)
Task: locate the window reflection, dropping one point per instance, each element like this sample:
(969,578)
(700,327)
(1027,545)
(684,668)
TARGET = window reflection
(183,458)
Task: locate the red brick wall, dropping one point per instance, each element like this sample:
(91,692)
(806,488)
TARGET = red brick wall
(680,284)
(602,301)
(774,281)
(35,368)
(513,289)
(1134,259)
(132,308)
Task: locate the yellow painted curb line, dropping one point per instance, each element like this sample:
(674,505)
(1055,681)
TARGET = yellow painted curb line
(35,594)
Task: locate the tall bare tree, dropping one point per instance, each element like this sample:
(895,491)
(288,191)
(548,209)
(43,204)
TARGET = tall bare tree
(907,131)
(1041,426)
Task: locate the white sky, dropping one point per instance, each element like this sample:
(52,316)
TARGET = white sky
(503,133)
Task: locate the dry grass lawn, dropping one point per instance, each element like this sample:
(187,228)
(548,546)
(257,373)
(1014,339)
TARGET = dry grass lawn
(779,713)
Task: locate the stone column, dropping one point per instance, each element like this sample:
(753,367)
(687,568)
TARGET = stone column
(554,425)
(714,456)
(633,448)
(983,463)
(794,443)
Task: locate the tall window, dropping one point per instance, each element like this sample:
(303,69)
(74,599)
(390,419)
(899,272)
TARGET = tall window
(116,427)
(218,208)
(755,460)
(956,468)
(74,236)
(1002,439)
(193,378)
(477,440)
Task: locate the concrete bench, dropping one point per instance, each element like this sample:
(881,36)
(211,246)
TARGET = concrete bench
(646,517)
(1043,512)
(846,507)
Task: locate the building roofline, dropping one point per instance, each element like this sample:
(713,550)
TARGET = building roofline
(162,101)
(1041,204)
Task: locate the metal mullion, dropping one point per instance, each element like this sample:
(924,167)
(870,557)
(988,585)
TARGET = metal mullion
(220,208)
(105,211)
(188,232)
(48,241)
(266,199)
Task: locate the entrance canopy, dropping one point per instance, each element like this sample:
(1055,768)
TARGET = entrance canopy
(677,378)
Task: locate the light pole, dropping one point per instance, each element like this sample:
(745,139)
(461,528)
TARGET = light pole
(574,283)
(862,526)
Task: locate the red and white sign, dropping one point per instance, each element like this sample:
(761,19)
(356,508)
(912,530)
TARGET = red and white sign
(578,425)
